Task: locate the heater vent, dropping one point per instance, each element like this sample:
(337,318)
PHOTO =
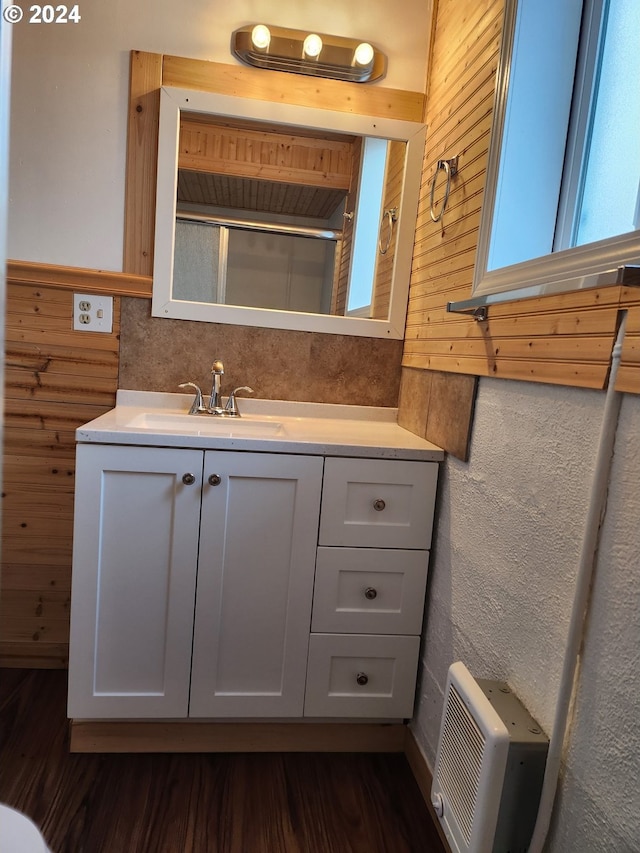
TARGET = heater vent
(461,751)
(489,766)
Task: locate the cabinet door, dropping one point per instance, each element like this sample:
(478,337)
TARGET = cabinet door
(134,572)
(258,540)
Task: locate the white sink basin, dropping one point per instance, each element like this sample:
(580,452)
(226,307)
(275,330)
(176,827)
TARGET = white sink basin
(206,424)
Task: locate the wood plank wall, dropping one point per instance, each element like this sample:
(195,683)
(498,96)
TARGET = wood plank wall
(55,380)
(629,372)
(270,155)
(344,247)
(392,193)
(564,339)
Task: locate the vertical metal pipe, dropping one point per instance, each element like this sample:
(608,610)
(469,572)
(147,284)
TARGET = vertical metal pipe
(586,570)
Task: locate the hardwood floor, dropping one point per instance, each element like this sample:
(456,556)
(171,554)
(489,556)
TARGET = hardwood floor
(173,803)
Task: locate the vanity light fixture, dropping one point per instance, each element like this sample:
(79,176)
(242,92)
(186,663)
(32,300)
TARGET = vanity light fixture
(260,37)
(312,46)
(316,54)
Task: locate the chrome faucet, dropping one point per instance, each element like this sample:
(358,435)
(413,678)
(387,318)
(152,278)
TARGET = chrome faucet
(215,400)
(231,409)
(215,407)
(198,406)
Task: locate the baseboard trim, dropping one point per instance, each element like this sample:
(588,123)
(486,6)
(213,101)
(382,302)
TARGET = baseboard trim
(176,736)
(33,655)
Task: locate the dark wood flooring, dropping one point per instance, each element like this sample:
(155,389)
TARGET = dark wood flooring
(245,803)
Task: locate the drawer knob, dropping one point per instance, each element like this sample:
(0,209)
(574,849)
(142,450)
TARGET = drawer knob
(370,593)
(362,678)
(379,505)
(188,479)
(215,480)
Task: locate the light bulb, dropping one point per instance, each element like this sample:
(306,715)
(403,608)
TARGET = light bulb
(363,53)
(312,46)
(260,37)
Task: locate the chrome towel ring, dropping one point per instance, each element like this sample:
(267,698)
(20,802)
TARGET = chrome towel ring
(389,216)
(451,169)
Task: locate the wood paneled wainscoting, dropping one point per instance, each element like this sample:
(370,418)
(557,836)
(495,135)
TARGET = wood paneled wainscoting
(55,380)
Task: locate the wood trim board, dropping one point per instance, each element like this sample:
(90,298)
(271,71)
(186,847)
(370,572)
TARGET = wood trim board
(78,278)
(189,736)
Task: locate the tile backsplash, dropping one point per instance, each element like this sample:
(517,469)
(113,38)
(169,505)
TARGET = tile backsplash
(156,354)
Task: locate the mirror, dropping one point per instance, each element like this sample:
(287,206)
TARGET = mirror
(316,234)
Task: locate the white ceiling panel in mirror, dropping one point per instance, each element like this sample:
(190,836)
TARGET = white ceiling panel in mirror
(282,216)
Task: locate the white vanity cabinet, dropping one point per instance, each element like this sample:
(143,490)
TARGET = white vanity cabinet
(371,573)
(150,524)
(272,568)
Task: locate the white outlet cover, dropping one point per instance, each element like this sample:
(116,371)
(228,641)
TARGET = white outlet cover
(92,313)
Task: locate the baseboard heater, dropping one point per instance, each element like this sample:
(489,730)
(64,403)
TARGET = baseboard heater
(489,766)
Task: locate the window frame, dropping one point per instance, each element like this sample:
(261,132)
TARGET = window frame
(560,271)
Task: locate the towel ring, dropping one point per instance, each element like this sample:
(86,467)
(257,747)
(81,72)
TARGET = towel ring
(390,216)
(451,168)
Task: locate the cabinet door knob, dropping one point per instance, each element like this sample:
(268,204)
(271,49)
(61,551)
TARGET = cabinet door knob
(215,479)
(379,505)
(188,479)
(362,679)
(370,593)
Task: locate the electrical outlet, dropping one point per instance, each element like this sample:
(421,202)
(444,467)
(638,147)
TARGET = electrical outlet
(92,313)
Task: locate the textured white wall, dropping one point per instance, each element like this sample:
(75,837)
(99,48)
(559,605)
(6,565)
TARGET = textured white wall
(508,539)
(69,108)
(600,805)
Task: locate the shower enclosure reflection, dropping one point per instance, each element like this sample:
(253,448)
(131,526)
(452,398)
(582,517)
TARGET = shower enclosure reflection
(276,217)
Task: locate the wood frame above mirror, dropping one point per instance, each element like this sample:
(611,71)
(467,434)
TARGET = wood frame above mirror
(149,72)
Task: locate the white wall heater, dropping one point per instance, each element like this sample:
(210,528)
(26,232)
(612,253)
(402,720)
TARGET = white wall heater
(489,766)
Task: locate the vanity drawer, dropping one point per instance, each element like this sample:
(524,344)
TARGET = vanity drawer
(369,591)
(355,675)
(378,503)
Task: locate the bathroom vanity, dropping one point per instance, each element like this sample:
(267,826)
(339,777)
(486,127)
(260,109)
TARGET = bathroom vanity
(269,567)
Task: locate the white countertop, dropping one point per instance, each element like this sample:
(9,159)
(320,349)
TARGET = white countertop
(277,426)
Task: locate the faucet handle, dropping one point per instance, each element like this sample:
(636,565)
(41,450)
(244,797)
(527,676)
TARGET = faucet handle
(198,403)
(231,409)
